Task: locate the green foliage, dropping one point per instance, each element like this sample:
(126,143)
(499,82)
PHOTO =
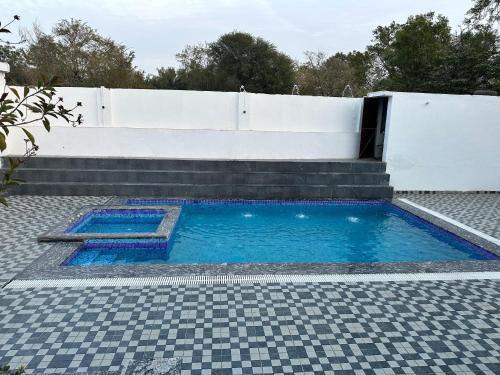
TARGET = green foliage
(18,67)
(473,62)
(164,79)
(413,53)
(422,55)
(419,55)
(77,54)
(484,11)
(233,60)
(241,59)
(196,70)
(6,370)
(35,104)
(329,76)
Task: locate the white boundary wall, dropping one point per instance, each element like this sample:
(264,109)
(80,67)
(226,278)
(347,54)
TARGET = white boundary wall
(442,142)
(201,124)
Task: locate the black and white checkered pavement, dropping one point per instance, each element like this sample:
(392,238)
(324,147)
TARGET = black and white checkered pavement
(431,327)
(23,220)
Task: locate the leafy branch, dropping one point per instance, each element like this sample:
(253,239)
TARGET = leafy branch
(4,30)
(34,105)
(484,10)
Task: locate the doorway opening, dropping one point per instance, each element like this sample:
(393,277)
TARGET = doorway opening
(373,127)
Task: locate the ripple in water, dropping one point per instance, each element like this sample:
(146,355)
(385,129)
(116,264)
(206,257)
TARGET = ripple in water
(301,216)
(353,219)
(247,215)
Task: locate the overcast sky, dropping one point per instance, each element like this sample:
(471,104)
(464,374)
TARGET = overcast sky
(157,29)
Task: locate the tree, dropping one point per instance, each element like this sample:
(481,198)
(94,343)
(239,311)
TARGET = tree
(324,76)
(423,55)
(241,59)
(165,78)
(483,10)
(18,68)
(329,76)
(33,105)
(77,54)
(196,71)
(361,63)
(310,75)
(473,63)
(413,54)
(233,60)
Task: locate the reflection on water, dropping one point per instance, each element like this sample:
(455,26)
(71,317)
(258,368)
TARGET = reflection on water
(332,233)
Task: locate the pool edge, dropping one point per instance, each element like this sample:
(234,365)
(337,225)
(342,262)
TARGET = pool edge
(448,226)
(47,266)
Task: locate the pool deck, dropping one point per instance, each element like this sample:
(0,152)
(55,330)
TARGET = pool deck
(390,327)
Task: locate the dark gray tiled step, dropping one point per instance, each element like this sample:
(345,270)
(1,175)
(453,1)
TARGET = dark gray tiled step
(205,178)
(209,191)
(339,166)
(199,177)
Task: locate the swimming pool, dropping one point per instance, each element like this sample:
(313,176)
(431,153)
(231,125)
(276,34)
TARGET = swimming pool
(118,221)
(119,252)
(345,232)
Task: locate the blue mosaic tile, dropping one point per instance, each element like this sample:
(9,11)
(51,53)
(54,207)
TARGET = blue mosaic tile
(161,202)
(441,232)
(96,213)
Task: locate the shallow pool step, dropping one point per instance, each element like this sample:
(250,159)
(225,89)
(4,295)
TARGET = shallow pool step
(251,179)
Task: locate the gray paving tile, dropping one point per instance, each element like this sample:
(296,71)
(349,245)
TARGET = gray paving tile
(426,327)
(25,219)
(479,211)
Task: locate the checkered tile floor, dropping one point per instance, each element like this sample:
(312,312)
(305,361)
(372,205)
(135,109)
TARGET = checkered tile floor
(426,327)
(479,211)
(25,219)
(366,328)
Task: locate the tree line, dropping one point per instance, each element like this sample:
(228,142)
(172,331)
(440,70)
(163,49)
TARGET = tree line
(419,55)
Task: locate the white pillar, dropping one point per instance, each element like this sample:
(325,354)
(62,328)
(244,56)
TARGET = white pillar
(4,68)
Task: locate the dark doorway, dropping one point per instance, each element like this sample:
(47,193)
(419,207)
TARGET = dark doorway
(373,128)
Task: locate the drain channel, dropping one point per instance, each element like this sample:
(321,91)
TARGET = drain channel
(249,279)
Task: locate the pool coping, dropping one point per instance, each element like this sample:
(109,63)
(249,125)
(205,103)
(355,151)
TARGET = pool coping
(449,227)
(57,233)
(47,266)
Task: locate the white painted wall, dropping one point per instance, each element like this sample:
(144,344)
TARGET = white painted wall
(432,142)
(197,124)
(303,113)
(174,109)
(442,142)
(195,144)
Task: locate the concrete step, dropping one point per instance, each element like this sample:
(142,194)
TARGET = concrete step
(276,179)
(337,166)
(200,177)
(209,191)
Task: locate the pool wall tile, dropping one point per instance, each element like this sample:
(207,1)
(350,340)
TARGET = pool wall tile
(62,230)
(47,266)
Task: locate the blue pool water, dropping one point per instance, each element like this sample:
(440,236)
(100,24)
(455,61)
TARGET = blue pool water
(210,233)
(116,252)
(118,221)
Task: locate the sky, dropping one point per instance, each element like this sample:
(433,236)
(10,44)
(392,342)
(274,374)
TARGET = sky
(158,29)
